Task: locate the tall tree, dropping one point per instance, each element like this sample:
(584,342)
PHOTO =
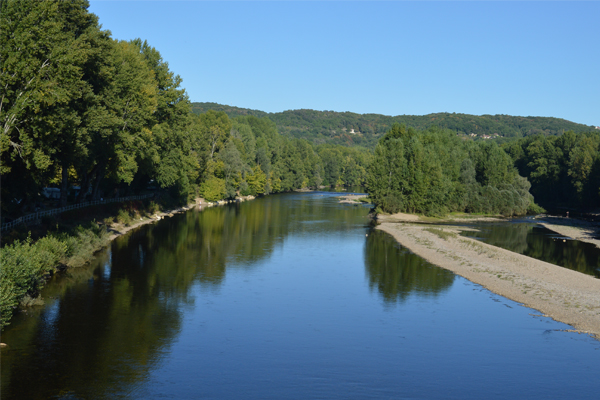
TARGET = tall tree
(48,53)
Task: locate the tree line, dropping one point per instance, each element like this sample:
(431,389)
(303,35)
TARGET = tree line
(564,170)
(81,108)
(434,172)
(78,107)
(351,129)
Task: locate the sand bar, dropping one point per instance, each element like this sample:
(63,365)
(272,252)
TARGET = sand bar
(560,293)
(573,228)
(352,198)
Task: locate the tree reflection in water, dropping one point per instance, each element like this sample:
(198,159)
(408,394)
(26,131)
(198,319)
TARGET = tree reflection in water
(541,243)
(397,273)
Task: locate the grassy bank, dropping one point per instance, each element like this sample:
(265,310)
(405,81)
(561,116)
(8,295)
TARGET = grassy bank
(30,256)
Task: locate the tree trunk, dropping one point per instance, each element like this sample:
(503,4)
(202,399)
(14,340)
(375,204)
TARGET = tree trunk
(85,183)
(99,176)
(64,186)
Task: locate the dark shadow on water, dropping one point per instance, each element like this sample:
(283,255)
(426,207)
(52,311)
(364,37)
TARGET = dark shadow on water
(396,273)
(540,243)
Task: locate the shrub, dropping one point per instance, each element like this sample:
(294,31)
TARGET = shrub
(245,189)
(533,208)
(123,217)
(153,208)
(392,204)
(24,266)
(213,189)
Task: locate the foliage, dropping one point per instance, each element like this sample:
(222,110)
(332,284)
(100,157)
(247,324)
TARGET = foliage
(25,265)
(213,189)
(351,129)
(434,172)
(123,217)
(563,170)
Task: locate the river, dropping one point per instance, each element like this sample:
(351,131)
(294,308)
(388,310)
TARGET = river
(289,296)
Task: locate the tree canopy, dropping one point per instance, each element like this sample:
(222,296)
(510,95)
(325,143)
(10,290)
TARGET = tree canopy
(352,129)
(434,172)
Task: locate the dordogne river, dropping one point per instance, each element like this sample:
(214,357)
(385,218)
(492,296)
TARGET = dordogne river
(290,296)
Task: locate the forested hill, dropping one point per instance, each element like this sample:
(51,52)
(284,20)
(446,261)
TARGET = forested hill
(365,129)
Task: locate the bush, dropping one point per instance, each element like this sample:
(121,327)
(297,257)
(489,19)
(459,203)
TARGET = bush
(245,189)
(24,266)
(391,204)
(533,208)
(153,208)
(123,217)
(213,189)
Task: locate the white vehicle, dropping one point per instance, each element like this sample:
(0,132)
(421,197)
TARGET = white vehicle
(51,193)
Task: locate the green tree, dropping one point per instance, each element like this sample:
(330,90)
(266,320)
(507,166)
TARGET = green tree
(48,53)
(387,175)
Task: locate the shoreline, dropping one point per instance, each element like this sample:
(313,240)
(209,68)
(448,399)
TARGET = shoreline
(116,229)
(404,217)
(572,228)
(352,198)
(564,295)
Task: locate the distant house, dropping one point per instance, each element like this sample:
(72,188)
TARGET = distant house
(597,127)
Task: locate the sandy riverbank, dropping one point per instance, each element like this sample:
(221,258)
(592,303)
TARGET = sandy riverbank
(402,217)
(573,228)
(565,295)
(352,198)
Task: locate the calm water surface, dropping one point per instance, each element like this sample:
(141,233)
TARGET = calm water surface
(538,242)
(284,297)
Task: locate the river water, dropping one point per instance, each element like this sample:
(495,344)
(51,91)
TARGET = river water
(290,296)
(532,240)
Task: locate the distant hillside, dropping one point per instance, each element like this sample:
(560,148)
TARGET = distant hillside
(364,129)
(231,111)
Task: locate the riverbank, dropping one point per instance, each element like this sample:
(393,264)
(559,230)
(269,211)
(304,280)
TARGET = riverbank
(29,264)
(458,217)
(117,229)
(573,228)
(353,198)
(562,294)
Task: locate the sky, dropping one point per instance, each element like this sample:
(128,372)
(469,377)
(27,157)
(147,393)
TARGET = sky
(393,57)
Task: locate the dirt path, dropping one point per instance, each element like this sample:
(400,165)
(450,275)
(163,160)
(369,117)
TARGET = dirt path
(565,295)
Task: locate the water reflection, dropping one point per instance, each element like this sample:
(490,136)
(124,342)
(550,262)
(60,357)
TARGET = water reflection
(396,272)
(541,243)
(267,299)
(106,326)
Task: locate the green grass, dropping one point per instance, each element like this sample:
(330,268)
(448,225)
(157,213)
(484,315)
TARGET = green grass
(441,233)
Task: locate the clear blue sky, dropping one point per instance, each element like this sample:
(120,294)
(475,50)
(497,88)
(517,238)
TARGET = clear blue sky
(517,58)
